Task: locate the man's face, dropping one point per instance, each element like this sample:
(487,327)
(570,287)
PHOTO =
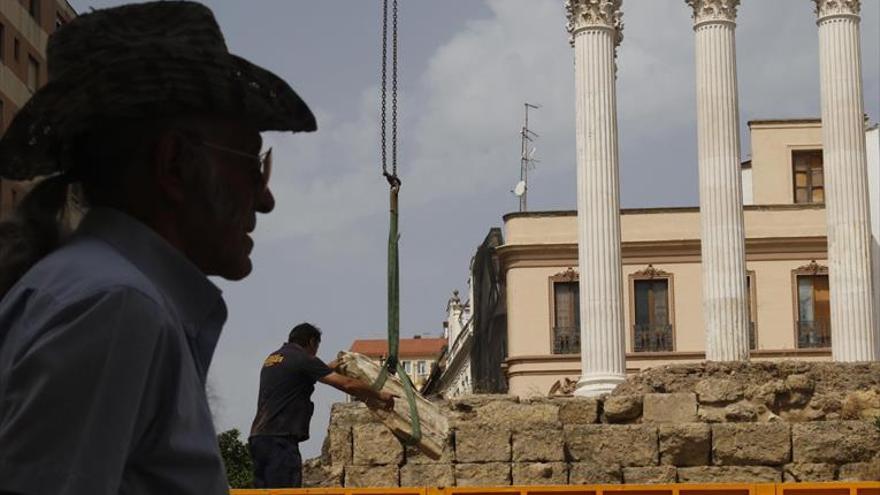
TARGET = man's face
(222,214)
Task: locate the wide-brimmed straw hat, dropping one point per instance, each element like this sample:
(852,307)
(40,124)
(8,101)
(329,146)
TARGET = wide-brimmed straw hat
(141,61)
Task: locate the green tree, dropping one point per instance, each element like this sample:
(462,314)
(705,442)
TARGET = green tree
(237,458)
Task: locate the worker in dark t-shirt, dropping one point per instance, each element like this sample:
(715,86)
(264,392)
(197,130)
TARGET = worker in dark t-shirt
(284,406)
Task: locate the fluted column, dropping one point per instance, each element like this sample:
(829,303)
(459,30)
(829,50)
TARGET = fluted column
(596,30)
(853,335)
(725,309)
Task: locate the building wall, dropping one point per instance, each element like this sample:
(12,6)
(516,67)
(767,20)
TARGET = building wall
(772,144)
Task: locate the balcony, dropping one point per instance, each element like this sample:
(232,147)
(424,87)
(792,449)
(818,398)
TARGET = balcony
(566,340)
(814,334)
(652,338)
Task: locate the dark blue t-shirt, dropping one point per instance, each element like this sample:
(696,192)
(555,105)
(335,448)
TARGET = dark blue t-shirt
(287,381)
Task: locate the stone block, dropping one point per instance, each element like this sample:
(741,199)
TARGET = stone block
(622,408)
(339,446)
(861,404)
(415,456)
(835,442)
(587,473)
(538,445)
(427,475)
(503,411)
(374,444)
(649,475)
(477,442)
(317,475)
(541,473)
(729,474)
(800,472)
(349,414)
(745,444)
(718,390)
(578,410)
(669,408)
(860,471)
(626,445)
(371,476)
(686,444)
(488,474)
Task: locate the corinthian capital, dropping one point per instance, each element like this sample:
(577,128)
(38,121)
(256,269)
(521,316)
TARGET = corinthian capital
(713,10)
(825,8)
(583,14)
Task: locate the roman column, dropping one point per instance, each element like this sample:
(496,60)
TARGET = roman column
(725,303)
(853,335)
(596,30)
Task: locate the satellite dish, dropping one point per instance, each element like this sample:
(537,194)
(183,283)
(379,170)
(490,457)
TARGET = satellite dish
(520,188)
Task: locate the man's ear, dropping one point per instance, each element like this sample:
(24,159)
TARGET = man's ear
(173,152)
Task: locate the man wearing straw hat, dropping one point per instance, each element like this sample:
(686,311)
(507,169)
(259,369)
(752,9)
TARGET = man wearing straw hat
(107,333)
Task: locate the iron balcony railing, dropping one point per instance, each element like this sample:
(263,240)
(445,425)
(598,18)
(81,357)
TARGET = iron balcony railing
(652,338)
(814,333)
(566,340)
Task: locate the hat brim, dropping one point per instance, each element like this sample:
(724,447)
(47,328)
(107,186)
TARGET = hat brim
(161,85)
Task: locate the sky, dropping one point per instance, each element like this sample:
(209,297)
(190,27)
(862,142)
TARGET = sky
(466,68)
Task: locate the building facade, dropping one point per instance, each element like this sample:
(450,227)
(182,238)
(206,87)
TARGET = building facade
(25,26)
(789,299)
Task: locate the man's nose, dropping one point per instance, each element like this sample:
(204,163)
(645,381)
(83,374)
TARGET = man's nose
(265,201)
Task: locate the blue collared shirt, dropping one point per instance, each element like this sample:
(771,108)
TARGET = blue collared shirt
(104,350)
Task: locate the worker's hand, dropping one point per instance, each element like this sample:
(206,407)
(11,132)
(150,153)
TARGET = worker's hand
(387,400)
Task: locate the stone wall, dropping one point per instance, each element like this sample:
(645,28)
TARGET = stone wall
(761,422)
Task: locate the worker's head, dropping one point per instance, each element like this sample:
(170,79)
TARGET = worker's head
(306,336)
(154,118)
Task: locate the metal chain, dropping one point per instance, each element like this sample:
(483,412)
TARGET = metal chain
(384,82)
(394,89)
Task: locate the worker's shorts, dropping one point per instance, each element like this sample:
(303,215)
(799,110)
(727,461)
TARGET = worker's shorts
(277,462)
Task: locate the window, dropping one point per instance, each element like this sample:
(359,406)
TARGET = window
(809,181)
(420,368)
(34,9)
(752,305)
(566,314)
(651,311)
(813,324)
(33,75)
(407,366)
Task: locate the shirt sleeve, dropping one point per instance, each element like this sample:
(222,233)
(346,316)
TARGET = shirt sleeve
(73,391)
(316,369)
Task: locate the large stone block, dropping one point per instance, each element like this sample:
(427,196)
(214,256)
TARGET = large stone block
(415,456)
(860,471)
(488,474)
(477,442)
(317,475)
(503,411)
(541,473)
(374,444)
(800,472)
(669,408)
(745,444)
(835,442)
(718,390)
(622,408)
(538,445)
(649,475)
(729,474)
(587,473)
(339,445)
(626,445)
(371,476)
(427,475)
(861,404)
(687,444)
(578,410)
(350,413)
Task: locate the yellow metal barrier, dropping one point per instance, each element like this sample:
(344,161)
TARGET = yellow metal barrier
(830,488)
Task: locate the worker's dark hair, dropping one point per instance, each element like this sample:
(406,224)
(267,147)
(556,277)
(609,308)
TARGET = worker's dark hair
(303,334)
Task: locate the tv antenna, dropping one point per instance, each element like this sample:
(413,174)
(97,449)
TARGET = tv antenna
(527,158)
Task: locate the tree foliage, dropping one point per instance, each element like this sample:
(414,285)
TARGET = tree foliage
(237,458)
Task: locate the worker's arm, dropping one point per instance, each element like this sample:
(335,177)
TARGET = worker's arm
(359,389)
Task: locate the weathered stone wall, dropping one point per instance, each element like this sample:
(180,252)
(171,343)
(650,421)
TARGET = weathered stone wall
(759,422)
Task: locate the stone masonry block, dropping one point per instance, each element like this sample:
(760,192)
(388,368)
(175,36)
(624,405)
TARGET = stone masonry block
(488,474)
(626,445)
(669,408)
(538,445)
(374,444)
(586,473)
(371,476)
(416,456)
(476,442)
(748,444)
(317,475)
(578,410)
(729,474)
(688,444)
(800,472)
(860,471)
(541,473)
(835,442)
(427,475)
(622,408)
(718,390)
(339,445)
(649,475)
